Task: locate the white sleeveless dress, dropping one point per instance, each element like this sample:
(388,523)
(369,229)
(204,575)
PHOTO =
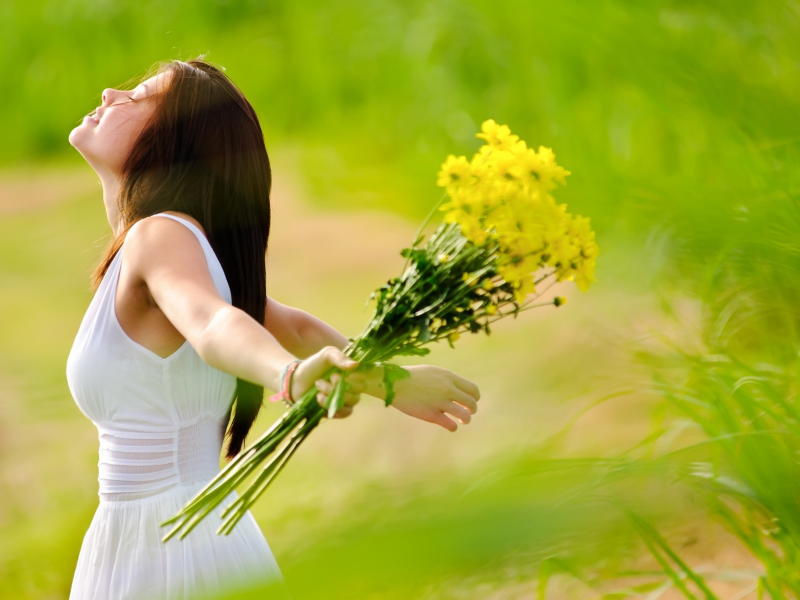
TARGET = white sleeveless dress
(160,427)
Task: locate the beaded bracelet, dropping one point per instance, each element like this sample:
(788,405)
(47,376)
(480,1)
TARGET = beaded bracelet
(286,384)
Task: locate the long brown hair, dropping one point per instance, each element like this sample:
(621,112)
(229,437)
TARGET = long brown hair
(202,153)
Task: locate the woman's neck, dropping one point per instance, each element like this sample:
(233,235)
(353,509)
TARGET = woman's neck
(111,187)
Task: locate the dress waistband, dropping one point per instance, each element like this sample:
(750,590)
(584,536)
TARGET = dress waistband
(137,464)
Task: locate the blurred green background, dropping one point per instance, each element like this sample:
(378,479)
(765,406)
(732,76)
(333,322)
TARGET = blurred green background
(640,437)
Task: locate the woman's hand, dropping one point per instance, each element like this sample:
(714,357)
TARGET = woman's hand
(310,373)
(431,392)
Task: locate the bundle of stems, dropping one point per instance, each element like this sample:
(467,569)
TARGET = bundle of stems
(461,281)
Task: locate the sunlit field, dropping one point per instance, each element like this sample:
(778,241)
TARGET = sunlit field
(641,441)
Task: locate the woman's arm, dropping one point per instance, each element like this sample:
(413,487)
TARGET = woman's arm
(428,394)
(167,258)
(299,332)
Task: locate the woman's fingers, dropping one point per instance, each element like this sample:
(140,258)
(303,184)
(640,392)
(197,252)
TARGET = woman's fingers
(337,358)
(439,418)
(351,396)
(465,385)
(458,411)
(351,399)
(343,412)
(317,365)
(465,399)
(356,387)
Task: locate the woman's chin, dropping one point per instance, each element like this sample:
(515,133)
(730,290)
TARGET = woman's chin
(77,137)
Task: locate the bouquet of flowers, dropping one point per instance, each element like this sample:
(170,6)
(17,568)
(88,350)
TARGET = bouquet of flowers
(503,243)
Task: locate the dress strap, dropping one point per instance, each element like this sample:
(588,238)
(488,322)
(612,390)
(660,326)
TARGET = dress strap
(217,272)
(195,230)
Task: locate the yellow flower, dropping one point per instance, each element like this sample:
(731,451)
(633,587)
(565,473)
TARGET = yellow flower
(586,252)
(455,216)
(453,337)
(455,170)
(548,157)
(473,231)
(507,166)
(497,136)
(478,166)
(491,309)
(541,169)
(584,279)
(501,200)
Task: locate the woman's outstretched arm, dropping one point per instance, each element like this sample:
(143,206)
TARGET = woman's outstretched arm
(164,259)
(301,333)
(427,395)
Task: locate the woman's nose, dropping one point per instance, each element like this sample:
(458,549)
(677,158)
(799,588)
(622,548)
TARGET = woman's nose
(108,95)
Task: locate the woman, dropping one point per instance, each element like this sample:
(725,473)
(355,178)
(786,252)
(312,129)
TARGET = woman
(180,338)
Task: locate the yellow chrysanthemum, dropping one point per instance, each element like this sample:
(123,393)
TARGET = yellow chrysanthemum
(524,289)
(506,166)
(478,167)
(541,169)
(454,171)
(501,199)
(497,136)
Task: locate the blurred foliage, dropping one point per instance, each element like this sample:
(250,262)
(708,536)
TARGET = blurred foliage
(655,107)
(678,122)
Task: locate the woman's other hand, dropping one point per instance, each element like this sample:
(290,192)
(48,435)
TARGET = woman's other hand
(431,392)
(310,373)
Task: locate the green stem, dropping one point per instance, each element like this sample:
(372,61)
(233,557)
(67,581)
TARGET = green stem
(425,224)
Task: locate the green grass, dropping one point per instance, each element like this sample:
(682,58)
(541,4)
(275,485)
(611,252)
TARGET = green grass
(655,107)
(679,125)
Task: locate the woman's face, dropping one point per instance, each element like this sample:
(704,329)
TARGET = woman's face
(106,136)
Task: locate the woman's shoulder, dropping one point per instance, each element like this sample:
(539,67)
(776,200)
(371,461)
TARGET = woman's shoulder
(163,249)
(155,238)
(183,216)
(166,216)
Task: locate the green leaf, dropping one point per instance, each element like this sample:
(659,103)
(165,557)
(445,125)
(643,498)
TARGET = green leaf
(392,373)
(336,399)
(545,570)
(413,351)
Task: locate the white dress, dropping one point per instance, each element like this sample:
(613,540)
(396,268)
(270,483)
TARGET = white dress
(160,427)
